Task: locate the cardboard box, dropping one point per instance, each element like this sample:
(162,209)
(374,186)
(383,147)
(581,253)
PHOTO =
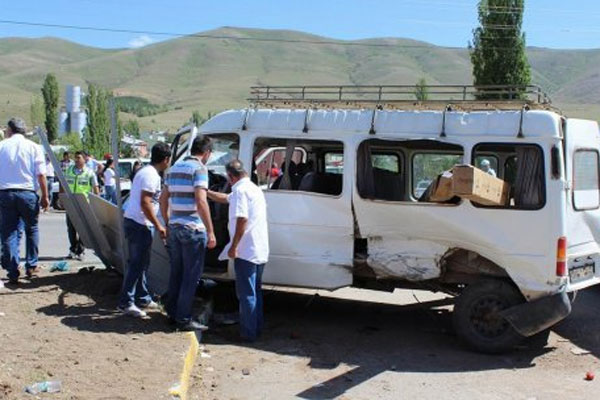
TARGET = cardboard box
(442,190)
(476,185)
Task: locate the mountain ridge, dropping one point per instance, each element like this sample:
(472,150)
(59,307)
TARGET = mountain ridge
(210,74)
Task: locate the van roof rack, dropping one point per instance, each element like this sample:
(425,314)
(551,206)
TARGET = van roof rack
(468,97)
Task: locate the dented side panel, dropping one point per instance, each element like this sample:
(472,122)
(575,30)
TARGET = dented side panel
(416,261)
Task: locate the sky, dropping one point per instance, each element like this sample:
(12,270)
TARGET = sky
(547,23)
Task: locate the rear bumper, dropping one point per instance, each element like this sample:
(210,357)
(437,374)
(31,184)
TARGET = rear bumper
(538,315)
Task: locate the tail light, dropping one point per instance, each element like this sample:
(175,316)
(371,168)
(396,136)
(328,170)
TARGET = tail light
(561,257)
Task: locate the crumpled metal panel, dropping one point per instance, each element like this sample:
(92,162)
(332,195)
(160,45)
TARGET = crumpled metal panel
(87,226)
(107,215)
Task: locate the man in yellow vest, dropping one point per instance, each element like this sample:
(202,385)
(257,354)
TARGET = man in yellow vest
(82,180)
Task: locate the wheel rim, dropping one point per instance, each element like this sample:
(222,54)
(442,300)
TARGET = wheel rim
(486,319)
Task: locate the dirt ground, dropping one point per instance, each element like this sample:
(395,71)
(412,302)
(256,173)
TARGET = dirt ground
(63,326)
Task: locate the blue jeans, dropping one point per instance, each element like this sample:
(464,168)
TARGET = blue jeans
(139,243)
(248,282)
(187,248)
(110,194)
(18,207)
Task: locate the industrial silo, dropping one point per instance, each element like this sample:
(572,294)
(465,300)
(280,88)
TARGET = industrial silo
(78,121)
(73,99)
(63,122)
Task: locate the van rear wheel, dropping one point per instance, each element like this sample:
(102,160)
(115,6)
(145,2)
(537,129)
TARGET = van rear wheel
(477,319)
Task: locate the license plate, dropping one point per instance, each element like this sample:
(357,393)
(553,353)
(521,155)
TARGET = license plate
(581,273)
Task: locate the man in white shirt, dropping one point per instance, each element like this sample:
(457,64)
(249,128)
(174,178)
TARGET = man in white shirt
(249,246)
(141,219)
(23,172)
(110,183)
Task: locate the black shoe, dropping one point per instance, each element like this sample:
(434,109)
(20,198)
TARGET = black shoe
(191,326)
(13,281)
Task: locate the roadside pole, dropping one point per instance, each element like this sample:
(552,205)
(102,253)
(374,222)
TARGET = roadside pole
(115,155)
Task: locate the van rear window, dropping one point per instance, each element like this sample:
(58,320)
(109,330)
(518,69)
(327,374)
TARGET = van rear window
(586,184)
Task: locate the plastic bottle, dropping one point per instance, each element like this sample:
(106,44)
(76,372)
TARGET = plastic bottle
(44,387)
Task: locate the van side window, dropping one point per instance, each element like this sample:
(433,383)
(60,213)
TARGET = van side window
(383,172)
(586,189)
(521,165)
(427,166)
(314,166)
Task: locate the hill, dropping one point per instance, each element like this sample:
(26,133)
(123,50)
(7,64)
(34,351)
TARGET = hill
(206,74)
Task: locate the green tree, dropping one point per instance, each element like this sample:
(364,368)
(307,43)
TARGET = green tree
(36,111)
(498,48)
(197,118)
(132,128)
(72,141)
(96,137)
(51,94)
(421,90)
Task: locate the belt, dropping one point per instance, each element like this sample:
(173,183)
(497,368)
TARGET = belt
(17,190)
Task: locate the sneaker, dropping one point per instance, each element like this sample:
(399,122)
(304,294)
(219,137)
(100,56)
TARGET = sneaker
(152,306)
(71,255)
(80,257)
(191,326)
(132,311)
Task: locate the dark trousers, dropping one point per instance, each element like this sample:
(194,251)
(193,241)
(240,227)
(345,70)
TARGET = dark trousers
(19,207)
(187,248)
(139,243)
(248,282)
(76,246)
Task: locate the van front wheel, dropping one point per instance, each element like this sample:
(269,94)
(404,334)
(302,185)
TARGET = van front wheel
(477,318)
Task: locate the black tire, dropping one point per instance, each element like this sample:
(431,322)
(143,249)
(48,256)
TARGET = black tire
(476,316)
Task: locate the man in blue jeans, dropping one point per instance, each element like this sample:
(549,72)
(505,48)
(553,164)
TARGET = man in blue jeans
(141,219)
(249,246)
(23,172)
(185,210)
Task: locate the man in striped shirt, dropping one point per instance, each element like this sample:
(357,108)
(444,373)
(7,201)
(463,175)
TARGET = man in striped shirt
(185,210)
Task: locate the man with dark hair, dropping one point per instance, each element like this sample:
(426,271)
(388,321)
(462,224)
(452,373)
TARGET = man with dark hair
(23,172)
(81,180)
(249,246)
(66,162)
(140,222)
(185,210)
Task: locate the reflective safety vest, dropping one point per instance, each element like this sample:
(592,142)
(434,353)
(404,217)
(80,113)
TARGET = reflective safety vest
(82,183)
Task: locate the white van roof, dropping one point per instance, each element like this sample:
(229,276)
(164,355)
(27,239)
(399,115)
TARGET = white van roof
(532,123)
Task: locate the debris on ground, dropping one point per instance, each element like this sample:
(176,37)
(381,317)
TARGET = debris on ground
(245,371)
(61,266)
(589,376)
(44,387)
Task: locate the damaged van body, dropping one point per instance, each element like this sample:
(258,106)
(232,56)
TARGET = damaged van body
(346,212)
(350,208)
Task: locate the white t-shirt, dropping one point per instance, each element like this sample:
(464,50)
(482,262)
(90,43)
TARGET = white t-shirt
(148,180)
(21,162)
(109,177)
(49,169)
(248,201)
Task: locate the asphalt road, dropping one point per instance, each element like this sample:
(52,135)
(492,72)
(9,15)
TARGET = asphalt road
(54,241)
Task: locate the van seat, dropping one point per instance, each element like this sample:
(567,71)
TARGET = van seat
(326,183)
